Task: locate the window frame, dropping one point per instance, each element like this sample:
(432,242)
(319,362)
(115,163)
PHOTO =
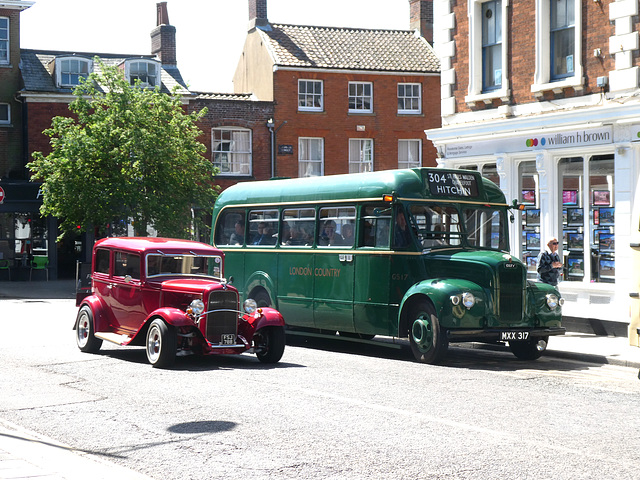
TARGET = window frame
(358,163)
(553,34)
(490,43)
(302,162)
(360,97)
(7,41)
(404,98)
(8,119)
(313,96)
(60,73)
(157,78)
(542,80)
(475,91)
(232,153)
(406,162)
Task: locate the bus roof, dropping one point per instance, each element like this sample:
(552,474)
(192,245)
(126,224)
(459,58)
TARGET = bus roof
(408,183)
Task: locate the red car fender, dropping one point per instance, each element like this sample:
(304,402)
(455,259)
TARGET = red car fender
(270,318)
(173,316)
(100,319)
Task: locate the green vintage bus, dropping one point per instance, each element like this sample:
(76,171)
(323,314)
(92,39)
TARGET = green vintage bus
(420,253)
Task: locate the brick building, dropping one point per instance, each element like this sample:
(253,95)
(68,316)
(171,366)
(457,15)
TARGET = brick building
(37,85)
(345,99)
(542,97)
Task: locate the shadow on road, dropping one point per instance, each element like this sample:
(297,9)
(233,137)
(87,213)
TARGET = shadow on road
(472,356)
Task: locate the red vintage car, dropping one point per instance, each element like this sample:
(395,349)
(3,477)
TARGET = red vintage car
(171,297)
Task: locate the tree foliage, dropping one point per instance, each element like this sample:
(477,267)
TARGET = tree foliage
(126,153)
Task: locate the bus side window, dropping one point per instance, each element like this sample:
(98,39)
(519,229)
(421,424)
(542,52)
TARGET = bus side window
(375,226)
(230,228)
(263,227)
(297,227)
(336,226)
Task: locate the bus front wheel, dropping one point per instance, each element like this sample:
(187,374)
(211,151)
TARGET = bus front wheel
(530,349)
(428,341)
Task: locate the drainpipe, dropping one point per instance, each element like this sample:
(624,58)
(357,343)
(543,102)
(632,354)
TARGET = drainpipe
(273,131)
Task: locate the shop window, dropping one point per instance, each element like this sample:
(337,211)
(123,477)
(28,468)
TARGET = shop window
(530,242)
(588,218)
(22,235)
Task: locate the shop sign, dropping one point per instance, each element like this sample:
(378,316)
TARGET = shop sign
(20,192)
(525,143)
(635,133)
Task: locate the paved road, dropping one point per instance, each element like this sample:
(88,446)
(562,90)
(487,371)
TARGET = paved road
(357,413)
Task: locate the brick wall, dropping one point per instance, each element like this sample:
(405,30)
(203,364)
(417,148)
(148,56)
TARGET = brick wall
(245,114)
(337,126)
(11,152)
(520,69)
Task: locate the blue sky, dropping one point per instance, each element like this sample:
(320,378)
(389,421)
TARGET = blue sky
(209,33)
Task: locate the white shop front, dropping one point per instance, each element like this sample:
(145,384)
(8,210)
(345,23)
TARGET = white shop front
(577,181)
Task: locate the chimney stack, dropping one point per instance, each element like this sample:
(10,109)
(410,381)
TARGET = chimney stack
(421,18)
(257,13)
(163,37)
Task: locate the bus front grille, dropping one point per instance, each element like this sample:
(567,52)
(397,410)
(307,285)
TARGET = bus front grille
(511,293)
(223,320)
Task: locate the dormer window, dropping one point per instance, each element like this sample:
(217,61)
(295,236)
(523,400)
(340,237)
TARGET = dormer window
(4,40)
(69,70)
(147,71)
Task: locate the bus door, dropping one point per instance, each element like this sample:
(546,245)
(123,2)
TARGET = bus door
(334,270)
(296,267)
(372,312)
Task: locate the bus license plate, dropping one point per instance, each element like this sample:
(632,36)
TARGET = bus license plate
(228,339)
(514,335)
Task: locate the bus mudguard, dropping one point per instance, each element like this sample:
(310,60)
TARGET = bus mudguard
(458,303)
(261,280)
(538,305)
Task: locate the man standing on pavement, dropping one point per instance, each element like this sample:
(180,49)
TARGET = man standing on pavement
(549,264)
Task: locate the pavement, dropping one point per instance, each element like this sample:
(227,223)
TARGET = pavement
(28,455)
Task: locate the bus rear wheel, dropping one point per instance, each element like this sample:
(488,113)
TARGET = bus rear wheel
(262,298)
(428,341)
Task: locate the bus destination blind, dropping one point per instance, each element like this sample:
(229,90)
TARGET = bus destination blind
(452,184)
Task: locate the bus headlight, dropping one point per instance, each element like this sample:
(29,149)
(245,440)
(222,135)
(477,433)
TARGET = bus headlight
(250,305)
(196,307)
(552,301)
(468,300)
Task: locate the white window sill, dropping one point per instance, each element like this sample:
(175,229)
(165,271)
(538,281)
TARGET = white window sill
(576,83)
(489,97)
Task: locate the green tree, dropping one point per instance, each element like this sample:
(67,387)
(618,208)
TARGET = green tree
(126,153)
